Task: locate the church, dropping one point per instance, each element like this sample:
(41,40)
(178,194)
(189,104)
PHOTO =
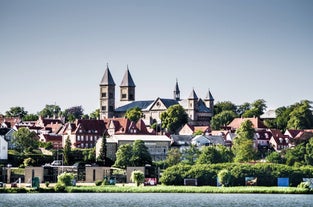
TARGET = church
(199,111)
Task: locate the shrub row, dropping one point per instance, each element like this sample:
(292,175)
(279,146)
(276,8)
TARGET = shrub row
(266,174)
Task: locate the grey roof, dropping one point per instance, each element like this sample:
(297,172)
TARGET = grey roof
(202,107)
(193,95)
(176,87)
(107,79)
(270,114)
(127,79)
(209,96)
(169,102)
(140,104)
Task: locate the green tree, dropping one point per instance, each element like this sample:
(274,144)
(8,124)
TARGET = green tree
(243,143)
(25,140)
(222,119)
(295,156)
(224,106)
(256,110)
(138,177)
(50,111)
(301,116)
(174,118)
(224,177)
(308,157)
(103,150)
(134,114)
(29,162)
(190,155)
(140,154)
(16,111)
(274,157)
(67,150)
(198,132)
(30,117)
(72,113)
(173,157)
(95,114)
(241,109)
(209,155)
(123,156)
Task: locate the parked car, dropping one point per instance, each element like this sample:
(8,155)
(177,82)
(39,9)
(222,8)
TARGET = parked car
(13,185)
(56,163)
(2,185)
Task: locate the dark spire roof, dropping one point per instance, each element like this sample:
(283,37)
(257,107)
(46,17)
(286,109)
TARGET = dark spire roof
(128,80)
(176,87)
(193,95)
(107,78)
(209,96)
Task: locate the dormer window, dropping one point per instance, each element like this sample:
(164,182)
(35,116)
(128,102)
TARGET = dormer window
(281,140)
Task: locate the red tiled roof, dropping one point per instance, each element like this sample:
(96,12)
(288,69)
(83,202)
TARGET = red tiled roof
(257,123)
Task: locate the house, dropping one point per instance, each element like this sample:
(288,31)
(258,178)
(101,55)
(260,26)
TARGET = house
(188,129)
(263,138)
(279,141)
(200,140)
(256,122)
(125,126)
(8,136)
(199,111)
(3,145)
(158,145)
(55,139)
(83,133)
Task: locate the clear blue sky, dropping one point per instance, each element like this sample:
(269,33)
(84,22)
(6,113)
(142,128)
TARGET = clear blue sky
(242,50)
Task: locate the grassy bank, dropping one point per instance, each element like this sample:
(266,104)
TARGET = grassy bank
(165,189)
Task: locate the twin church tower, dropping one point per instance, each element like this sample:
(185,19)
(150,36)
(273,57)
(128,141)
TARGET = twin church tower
(199,111)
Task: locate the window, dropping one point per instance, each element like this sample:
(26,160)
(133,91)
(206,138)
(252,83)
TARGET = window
(104,108)
(104,95)
(124,95)
(78,138)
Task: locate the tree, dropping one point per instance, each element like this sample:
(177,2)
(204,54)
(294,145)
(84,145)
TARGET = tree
(95,114)
(140,154)
(274,157)
(308,157)
(67,150)
(134,114)
(301,116)
(222,119)
(243,108)
(50,111)
(30,117)
(16,111)
(209,155)
(72,113)
(224,177)
(29,162)
(243,143)
(173,118)
(296,155)
(256,110)
(224,106)
(25,140)
(123,155)
(103,150)
(190,155)
(138,177)
(173,157)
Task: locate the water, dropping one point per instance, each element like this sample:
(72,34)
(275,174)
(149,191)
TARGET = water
(154,200)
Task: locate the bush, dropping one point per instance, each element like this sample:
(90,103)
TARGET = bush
(138,177)
(98,182)
(175,175)
(59,187)
(65,179)
(224,177)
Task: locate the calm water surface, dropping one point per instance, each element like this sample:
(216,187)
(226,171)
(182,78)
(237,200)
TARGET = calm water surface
(154,200)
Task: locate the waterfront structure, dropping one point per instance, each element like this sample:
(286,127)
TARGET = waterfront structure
(200,111)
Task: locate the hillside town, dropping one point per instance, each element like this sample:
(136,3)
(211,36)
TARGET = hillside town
(118,130)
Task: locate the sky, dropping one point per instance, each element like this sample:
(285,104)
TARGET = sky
(56,52)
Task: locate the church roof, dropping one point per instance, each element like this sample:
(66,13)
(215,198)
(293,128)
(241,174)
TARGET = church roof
(209,96)
(128,80)
(193,95)
(139,104)
(107,78)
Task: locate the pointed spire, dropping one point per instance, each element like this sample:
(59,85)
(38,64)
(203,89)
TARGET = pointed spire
(176,91)
(193,95)
(107,78)
(209,96)
(127,79)
(176,87)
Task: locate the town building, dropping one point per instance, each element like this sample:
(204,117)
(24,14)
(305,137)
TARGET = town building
(200,111)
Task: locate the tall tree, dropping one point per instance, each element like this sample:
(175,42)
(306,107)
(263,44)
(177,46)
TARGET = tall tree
(222,119)
(241,109)
(190,155)
(174,118)
(123,156)
(134,114)
(72,113)
(30,117)
(256,110)
(25,140)
(209,155)
(95,114)
(308,157)
(140,154)
(173,157)
(224,106)
(103,150)
(67,150)
(301,116)
(243,143)
(16,111)
(50,111)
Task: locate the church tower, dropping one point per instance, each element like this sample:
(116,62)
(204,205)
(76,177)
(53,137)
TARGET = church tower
(127,87)
(192,107)
(107,95)
(176,92)
(209,101)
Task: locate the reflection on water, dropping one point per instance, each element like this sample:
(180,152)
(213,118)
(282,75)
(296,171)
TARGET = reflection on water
(154,200)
